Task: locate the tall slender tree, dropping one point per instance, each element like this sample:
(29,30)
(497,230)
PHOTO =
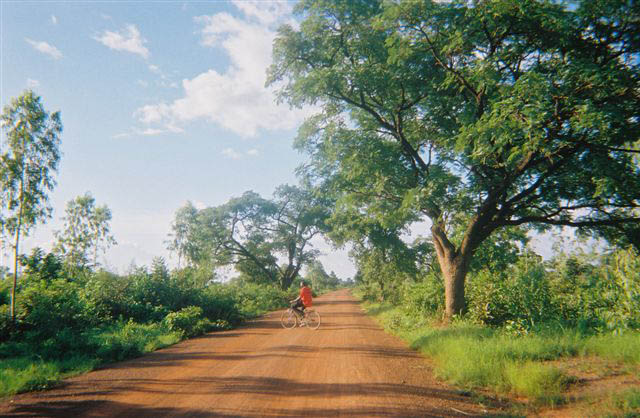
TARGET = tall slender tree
(86,232)
(29,157)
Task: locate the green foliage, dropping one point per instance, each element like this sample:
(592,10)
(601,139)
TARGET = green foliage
(35,365)
(623,348)
(541,382)
(41,266)
(86,231)
(253,300)
(472,355)
(29,156)
(187,321)
(47,308)
(320,280)
(478,116)
(626,404)
(129,339)
(253,233)
(425,298)
(522,294)
(6,323)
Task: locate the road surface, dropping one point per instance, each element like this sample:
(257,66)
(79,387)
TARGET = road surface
(348,367)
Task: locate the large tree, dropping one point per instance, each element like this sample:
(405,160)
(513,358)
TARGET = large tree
(86,231)
(475,115)
(266,240)
(29,157)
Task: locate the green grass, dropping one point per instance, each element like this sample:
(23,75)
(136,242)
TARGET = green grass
(624,348)
(473,356)
(627,403)
(38,365)
(20,374)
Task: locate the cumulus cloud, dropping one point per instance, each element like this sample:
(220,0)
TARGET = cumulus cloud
(237,155)
(231,153)
(45,48)
(54,19)
(235,99)
(127,40)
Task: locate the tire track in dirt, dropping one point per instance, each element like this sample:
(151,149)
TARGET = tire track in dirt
(348,367)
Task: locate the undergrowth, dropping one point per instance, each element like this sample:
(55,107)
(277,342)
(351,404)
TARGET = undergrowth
(477,356)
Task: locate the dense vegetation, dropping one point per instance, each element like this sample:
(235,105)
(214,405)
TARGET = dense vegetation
(474,117)
(70,323)
(482,121)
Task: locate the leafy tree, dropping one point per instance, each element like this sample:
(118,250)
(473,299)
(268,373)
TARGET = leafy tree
(474,115)
(180,238)
(267,240)
(29,157)
(41,266)
(320,279)
(86,231)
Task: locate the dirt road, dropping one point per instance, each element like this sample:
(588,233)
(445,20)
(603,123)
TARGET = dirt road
(348,367)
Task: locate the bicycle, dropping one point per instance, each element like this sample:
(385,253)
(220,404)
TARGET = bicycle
(310,319)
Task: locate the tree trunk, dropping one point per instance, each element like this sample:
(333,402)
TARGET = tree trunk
(455,266)
(16,252)
(454,270)
(15,271)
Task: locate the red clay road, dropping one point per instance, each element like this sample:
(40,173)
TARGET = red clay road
(348,367)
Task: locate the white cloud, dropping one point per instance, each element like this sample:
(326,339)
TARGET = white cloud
(45,48)
(266,13)
(54,20)
(236,99)
(143,83)
(236,155)
(128,40)
(231,153)
(31,83)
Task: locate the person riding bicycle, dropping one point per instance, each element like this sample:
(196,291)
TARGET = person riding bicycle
(304,300)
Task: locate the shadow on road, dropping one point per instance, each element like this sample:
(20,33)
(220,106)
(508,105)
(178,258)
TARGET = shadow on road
(110,408)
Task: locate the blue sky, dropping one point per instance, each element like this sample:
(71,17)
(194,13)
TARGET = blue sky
(162,102)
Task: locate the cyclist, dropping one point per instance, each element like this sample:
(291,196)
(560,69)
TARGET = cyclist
(304,300)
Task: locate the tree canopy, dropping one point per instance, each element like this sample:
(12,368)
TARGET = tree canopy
(29,157)
(266,240)
(477,116)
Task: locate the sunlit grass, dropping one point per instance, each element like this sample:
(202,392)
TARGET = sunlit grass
(37,369)
(475,356)
(624,348)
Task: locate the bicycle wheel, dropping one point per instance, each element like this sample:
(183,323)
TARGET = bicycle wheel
(313,319)
(288,319)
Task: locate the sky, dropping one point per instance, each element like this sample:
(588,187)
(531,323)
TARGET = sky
(162,102)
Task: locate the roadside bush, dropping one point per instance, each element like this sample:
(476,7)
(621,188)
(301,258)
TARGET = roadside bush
(425,298)
(129,339)
(520,296)
(254,299)
(48,307)
(188,321)
(5,322)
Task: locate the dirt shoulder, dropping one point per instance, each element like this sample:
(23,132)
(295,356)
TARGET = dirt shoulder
(348,367)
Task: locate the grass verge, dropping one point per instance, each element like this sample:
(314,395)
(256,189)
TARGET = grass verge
(36,365)
(474,356)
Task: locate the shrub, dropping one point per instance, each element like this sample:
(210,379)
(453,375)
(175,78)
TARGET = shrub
(5,322)
(520,296)
(187,321)
(48,307)
(425,298)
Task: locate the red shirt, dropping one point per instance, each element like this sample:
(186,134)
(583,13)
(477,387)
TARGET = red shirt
(305,296)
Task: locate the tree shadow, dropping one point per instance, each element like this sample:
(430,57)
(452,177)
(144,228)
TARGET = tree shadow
(79,408)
